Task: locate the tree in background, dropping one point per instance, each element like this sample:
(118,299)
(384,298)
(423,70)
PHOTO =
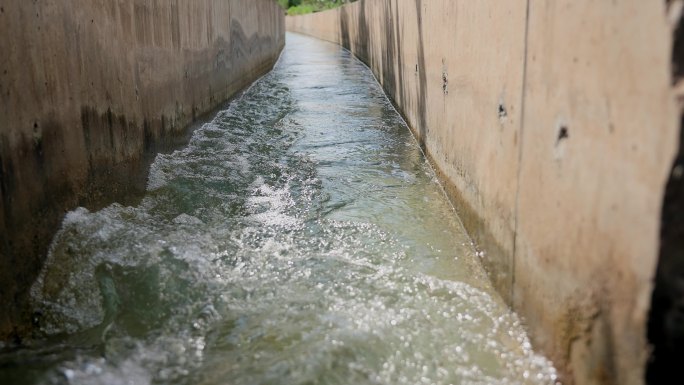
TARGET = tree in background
(300,7)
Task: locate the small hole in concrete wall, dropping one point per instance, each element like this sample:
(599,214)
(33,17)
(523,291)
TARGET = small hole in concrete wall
(563,133)
(445,83)
(2,10)
(35,126)
(502,111)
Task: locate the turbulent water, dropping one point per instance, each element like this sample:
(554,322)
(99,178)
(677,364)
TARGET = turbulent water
(299,238)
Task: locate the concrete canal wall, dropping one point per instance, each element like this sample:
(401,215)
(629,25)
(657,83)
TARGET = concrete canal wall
(554,125)
(90,90)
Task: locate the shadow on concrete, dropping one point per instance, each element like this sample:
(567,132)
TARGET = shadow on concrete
(666,318)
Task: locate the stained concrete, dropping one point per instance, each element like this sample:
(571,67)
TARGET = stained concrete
(90,90)
(554,126)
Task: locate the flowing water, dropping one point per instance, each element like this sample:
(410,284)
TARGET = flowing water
(299,238)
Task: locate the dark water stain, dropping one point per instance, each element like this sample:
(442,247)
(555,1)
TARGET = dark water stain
(35,191)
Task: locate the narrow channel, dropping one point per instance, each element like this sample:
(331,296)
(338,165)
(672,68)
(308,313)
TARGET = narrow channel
(299,238)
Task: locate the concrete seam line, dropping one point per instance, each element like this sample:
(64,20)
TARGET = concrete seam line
(521,143)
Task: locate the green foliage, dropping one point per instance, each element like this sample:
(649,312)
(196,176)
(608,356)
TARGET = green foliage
(301,7)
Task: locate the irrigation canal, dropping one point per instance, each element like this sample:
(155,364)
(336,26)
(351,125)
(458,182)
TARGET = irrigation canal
(299,238)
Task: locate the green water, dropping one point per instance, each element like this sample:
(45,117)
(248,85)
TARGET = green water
(300,238)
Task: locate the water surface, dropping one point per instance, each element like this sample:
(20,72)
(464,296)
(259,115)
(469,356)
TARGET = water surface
(300,238)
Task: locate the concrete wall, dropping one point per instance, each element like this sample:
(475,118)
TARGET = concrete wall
(554,125)
(90,90)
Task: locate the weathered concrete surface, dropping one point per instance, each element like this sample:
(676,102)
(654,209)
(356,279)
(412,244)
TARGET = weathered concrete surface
(554,126)
(90,90)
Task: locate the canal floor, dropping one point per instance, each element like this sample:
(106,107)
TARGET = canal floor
(300,238)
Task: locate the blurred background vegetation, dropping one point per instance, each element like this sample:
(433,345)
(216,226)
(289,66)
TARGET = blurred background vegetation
(301,7)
